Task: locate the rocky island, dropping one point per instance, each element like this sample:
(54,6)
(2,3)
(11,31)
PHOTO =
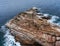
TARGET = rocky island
(31,28)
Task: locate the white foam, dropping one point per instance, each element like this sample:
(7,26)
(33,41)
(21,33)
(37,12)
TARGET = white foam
(9,39)
(46,15)
(54,18)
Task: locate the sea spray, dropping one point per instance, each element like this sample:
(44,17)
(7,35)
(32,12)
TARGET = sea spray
(8,38)
(54,19)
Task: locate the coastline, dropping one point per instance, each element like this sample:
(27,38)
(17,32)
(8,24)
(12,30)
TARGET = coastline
(30,30)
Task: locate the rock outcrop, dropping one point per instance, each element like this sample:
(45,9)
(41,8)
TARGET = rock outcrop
(33,29)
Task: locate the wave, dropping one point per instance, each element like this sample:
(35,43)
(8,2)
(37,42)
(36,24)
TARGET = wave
(8,38)
(54,19)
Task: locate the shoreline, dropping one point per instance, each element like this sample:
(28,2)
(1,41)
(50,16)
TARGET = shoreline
(33,29)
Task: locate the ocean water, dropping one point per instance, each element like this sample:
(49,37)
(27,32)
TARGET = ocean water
(10,8)
(8,38)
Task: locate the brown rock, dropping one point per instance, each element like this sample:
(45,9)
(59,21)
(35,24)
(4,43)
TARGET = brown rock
(57,43)
(31,30)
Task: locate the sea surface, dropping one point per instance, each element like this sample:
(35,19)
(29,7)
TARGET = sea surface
(10,8)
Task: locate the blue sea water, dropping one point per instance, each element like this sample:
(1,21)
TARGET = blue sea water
(10,8)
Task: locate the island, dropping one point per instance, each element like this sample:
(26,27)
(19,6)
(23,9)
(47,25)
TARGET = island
(32,28)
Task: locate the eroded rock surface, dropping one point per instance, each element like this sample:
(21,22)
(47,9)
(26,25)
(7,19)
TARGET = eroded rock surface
(33,29)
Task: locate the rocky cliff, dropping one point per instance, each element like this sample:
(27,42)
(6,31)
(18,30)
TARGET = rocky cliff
(31,28)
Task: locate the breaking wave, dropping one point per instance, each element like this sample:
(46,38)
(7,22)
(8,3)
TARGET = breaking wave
(54,19)
(8,38)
